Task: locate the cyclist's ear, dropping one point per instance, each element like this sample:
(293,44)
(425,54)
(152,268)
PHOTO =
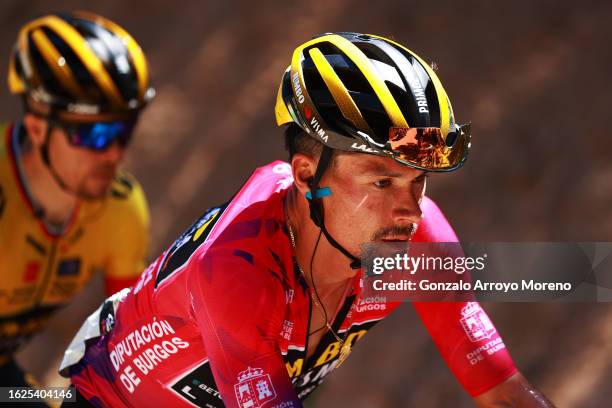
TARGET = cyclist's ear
(36,128)
(303,168)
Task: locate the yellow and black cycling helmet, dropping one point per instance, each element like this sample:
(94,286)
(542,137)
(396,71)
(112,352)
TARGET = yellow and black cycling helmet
(79,66)
(365,93)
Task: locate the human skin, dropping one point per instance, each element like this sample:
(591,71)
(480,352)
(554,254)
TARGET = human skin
(517,392)
(373,199)
(87,174)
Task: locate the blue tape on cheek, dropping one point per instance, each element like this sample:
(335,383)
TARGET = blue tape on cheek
(319,193)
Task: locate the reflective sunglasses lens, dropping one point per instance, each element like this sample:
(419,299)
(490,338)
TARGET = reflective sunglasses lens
(425,148)
(99,136)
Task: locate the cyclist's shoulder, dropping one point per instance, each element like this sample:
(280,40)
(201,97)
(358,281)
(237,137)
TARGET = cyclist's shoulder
(252,273)
(243,238)
(434,227)
(430,208)
(253,220)
(254,249)
(259,247)
(123,218)
(126,201)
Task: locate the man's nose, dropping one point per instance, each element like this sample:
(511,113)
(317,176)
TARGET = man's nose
(114,153)
(406,208)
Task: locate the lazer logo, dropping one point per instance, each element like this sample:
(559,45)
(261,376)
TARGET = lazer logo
(363,148)
(419,94)
(318,129)
(297,88)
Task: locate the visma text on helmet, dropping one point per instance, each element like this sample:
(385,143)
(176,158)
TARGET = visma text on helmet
(318,129)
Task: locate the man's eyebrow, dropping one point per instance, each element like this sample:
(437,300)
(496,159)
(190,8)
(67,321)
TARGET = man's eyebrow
(378,170)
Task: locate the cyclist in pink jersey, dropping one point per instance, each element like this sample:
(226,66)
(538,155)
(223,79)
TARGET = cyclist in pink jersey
(263,296)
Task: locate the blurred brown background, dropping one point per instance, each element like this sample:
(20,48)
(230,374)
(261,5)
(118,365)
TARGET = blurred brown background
(532,76)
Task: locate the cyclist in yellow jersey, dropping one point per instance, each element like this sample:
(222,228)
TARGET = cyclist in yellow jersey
(66,212)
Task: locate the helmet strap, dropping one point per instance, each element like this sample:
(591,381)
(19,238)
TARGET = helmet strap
(44,154)
(316,205)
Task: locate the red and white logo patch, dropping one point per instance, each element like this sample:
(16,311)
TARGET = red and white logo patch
(254,388)
(31,272)
(476,323)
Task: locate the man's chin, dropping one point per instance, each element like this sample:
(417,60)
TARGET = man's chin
(382,247)
(93,193)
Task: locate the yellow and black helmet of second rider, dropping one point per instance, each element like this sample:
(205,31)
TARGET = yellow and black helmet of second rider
(366,93)
(79,66)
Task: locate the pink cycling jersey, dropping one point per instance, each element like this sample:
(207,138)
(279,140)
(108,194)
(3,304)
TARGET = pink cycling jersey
(221,317)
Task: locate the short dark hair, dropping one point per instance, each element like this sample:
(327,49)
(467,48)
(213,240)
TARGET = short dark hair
(298,141)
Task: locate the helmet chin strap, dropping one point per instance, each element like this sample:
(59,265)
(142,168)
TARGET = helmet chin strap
(315,196)
(44,154)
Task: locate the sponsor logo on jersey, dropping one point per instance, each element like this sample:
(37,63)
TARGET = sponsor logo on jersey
(69,267)
(122,186)
(306,379)
(32,270)
(476,323)
(370,303)
(254,388)
(182,249)
(198,387)
(286,330)
(289,296)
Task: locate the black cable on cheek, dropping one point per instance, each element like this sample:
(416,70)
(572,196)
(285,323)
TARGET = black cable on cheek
(44,149)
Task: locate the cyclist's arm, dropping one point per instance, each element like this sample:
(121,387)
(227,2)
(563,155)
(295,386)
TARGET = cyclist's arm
(468,342)
(239,306)
(462,331)
(514,392)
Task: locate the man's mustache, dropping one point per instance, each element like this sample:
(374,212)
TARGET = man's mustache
(395,231)
(105,170)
